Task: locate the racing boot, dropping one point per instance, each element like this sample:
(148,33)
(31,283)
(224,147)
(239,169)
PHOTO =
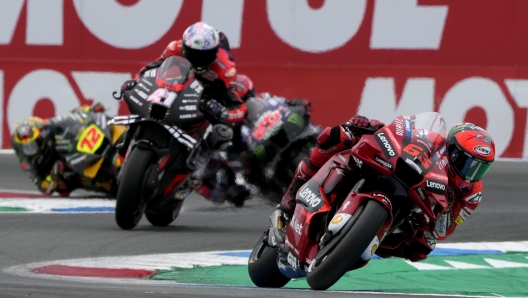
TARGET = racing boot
(282,215)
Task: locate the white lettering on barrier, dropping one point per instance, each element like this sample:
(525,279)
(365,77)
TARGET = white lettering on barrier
(1,107)
(519,91)
(324,29)
(403,24)
(53,85)
(36,85)
(486,94)
(10,13)
(229,21)
(44,22)
(98,86)
(417,96)
(397,24)
(128,27)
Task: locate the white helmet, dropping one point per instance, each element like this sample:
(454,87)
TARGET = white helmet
(200,45)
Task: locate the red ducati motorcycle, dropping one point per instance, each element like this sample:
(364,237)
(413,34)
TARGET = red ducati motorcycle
(354,201)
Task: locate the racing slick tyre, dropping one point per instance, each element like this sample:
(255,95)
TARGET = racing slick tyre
(129,205)
(326,270)
(262,266)
(165,217)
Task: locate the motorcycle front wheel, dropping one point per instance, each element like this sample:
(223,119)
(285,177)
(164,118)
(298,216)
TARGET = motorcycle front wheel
(165,217)
(262,266)
(326,270)
(129,206)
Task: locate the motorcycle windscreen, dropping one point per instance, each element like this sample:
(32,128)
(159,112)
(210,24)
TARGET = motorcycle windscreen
(174,72)
(173,88)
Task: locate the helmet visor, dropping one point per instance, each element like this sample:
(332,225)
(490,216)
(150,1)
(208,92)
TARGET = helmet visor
(30,148)
(468,167)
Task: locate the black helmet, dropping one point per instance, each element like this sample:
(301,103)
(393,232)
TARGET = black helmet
(200,45)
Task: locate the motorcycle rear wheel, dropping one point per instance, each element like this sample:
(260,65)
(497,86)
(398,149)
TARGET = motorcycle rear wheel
(129,208)
(262,267)
(332,266)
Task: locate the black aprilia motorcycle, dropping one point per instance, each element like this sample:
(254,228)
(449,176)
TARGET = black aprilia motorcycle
(165,143)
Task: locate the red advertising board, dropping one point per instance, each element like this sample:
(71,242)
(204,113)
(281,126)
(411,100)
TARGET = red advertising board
(466,59)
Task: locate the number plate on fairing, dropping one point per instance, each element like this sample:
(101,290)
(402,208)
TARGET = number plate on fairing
(90,140)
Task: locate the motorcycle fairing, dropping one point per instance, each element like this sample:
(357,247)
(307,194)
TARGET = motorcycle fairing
(185,94)
(83,139)
(392,151)
(174,130)
(315,199)
(271,125)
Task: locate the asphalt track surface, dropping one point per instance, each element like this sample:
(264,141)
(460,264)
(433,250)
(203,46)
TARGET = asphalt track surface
(27,238)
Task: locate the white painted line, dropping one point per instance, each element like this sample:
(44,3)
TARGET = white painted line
(46,205)
(7,151)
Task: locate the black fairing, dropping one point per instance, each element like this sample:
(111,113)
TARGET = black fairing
(184,110)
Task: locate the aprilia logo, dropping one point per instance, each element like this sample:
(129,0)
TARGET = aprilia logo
(434,186)
(309,197)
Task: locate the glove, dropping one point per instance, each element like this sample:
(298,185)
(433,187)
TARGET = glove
(214,109)
(301,102)
(360,125)
(128,85)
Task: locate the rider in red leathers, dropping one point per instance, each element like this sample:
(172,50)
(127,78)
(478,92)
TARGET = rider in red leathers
(208,51)
(470,153)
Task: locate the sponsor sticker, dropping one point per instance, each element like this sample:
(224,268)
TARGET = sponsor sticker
(337,219)
(414,165)
(482,150)
(441,226)
(475,198)
(435,186)
(459,220)
(385,144)
(421,193)
(399,127)
(292,260)
(230,72)
(308,197)
(296,226)
(384,199)
(383,162)
(464,214)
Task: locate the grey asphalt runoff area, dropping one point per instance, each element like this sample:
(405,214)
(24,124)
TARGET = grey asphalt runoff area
(202,226)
